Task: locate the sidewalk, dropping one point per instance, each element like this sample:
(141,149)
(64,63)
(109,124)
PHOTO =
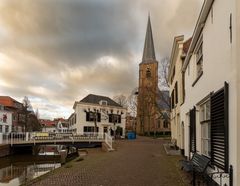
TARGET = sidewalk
(141,162)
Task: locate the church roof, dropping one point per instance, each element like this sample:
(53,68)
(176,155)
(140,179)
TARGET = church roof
(148,51)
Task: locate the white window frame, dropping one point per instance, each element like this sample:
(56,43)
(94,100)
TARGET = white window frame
(199,57)
(205,128)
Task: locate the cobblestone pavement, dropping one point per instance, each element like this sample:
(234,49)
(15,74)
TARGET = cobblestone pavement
(141,162)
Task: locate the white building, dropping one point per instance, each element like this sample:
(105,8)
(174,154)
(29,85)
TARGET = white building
(176,85)
(63,126)
(5,121)
(48,125)
(211,109)
(109,115)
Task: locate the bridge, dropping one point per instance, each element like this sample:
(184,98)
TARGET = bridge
(44,138)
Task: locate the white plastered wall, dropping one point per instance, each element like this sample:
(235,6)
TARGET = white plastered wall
(219,65)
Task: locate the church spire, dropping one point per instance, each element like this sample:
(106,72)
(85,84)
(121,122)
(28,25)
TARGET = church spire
(148,52)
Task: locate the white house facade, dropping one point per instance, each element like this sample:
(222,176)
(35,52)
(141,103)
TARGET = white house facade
(211,109)
(100,110)
(176,85)
(5,121)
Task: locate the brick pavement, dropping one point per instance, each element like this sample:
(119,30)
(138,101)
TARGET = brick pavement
(141,162)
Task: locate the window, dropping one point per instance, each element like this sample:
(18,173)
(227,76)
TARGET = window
(114,118)
(14,117)
(103,102)
(165,124)
(172,99)
(90,116)
(4,118)
(205,128)
(89,129)
(6,129)
(176,92)
(199,58)
(148,73)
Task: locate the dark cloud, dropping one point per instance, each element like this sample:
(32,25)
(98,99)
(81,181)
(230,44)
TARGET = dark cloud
(57,51)
(75,32)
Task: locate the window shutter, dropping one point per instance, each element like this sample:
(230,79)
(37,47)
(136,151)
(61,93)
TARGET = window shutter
(110,118)
(193,130)
(87,116)
(219,128)
(119,121)
(99,117)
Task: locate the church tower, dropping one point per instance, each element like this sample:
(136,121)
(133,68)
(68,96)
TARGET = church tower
(148,86)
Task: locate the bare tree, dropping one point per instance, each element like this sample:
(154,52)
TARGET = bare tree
(31,121)
(26,103)
(132,102)
(37,113)
(163,74)
(121,100)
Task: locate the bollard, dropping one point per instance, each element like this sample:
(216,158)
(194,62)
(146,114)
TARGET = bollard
(1,138)
(27,136)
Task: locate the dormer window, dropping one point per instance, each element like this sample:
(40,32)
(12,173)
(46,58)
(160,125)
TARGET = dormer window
(148,73)
(103,102)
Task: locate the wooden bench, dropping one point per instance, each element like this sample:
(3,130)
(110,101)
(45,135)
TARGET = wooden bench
(197,165)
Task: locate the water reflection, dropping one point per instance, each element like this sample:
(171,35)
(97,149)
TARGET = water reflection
(17,175)
(18,169)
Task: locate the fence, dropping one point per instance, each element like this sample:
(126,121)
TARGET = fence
(34,137)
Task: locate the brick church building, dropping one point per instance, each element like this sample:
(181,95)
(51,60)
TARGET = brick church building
(153,104)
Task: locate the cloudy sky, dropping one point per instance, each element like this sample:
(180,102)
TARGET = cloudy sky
(58,51)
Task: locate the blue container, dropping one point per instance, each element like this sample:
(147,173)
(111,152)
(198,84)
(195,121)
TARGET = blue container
(131,135)
(134,135)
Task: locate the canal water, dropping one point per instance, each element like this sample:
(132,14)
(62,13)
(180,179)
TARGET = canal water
(20,168)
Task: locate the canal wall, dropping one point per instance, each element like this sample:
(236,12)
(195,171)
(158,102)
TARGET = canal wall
(4,150)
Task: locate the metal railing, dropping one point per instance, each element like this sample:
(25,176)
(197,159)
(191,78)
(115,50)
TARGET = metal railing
(34,137)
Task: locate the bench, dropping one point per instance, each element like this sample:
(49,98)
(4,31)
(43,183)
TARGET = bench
(197,165)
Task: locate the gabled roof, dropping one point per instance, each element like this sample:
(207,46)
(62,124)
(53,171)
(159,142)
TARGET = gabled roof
(47,122)
(149,51)
(95,99)
(7,101)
